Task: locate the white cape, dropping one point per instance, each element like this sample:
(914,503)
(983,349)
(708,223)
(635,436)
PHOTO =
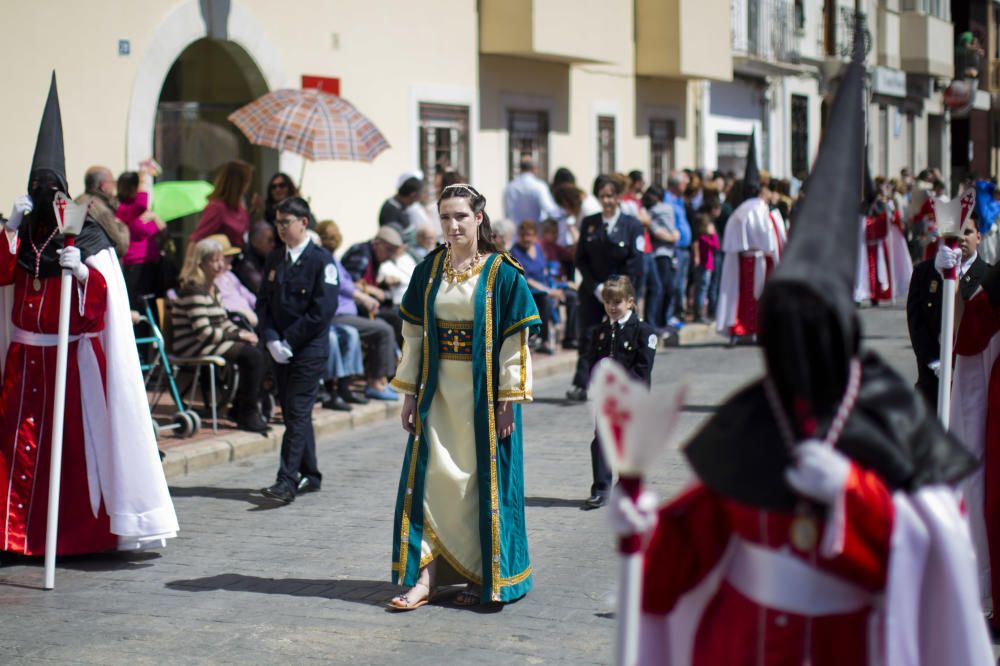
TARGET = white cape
(123,464)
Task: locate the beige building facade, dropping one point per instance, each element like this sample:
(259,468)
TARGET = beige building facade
(586,84)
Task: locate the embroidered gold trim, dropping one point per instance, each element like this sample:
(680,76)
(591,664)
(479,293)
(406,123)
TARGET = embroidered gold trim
(406,313)
(494,482)
(404,537)
(405,387)
(514,580)
(515,395)
(448,356)
(459,325)
(438,548)
(514,326)
(524,360)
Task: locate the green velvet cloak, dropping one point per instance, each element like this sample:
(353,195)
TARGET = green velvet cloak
(503,307)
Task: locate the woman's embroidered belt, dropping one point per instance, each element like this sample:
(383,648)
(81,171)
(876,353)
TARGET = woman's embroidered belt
(454,340)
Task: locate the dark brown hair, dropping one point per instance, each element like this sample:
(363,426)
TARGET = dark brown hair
(232,182)
(477,202)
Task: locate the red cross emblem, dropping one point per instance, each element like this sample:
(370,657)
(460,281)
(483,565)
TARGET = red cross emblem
(618,419)
(60,205)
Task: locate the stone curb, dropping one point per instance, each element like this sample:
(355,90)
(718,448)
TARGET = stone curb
(232,446)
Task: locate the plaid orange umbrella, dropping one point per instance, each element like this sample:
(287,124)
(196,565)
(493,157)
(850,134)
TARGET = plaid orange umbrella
(311,123)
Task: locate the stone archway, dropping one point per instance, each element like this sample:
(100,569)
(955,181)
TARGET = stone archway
(190,22)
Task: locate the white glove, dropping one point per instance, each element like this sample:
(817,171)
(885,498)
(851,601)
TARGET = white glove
(628,517)
(820,471)
(597,292)
(935,366)
(280,351)
(947,258)
(69,258)
(22,206)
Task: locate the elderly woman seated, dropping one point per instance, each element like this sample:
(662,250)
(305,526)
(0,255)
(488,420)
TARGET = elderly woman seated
(202,327)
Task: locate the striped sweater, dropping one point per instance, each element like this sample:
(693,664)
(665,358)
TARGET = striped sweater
(201,325)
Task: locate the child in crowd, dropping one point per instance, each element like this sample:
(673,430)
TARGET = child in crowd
(704,262)
(631,342)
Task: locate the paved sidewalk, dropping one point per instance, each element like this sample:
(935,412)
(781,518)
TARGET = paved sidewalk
(228,445)
(247,582)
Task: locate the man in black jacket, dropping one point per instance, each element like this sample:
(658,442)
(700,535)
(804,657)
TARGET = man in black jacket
(296,302)
(923,306)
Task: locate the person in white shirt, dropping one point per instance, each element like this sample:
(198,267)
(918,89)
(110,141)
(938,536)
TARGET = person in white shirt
(527,197)
(395,273)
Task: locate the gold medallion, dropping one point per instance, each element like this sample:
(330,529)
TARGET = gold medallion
(803,533)
(37,284)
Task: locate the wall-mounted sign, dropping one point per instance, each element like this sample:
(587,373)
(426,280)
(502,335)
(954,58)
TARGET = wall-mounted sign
(324,83)
(889,82)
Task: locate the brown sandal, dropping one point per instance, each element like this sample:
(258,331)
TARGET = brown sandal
(401,603)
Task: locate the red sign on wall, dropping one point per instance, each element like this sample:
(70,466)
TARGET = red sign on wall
(324,83)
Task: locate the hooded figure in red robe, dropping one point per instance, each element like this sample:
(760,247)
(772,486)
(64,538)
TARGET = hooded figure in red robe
(822,527)
(113,491)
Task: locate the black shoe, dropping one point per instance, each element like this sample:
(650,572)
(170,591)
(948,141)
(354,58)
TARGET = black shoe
(337,404)
(570,344)
(280,492)
(576,393)
(307,485)
(252,422)
(594,502)
(353,398)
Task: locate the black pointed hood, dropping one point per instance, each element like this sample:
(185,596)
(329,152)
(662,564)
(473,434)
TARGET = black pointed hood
(751,176)
(870,193)
(49,153)
(809,332)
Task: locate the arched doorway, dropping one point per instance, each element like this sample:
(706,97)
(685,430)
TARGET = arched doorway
(192,137)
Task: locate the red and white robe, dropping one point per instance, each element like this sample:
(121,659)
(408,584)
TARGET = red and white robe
(884,265)
(26,415)
(113,492)
(752,243)
(887,582)
(975,420)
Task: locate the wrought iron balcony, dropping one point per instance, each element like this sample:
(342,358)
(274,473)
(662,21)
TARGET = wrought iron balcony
(764,36)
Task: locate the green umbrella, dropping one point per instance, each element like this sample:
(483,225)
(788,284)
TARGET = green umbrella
(177,198)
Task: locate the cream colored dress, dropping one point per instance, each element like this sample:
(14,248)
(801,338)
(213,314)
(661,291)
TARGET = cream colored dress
(451,495)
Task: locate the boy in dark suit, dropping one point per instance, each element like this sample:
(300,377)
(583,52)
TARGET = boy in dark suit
(625,338)
(923,305)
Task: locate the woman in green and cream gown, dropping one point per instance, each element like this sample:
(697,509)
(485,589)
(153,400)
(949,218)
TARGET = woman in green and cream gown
(465,370)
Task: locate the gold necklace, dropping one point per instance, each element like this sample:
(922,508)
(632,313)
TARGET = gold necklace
(455,276)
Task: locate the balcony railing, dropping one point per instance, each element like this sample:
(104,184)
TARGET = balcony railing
(764,29)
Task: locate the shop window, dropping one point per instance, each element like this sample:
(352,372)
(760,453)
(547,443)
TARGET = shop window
(605,144)
(800,136)
(443,139)
(528,136)
(661,150)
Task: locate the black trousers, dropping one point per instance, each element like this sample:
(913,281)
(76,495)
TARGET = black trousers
(298,384)
(253,366)
(570,302)
(544,305)
(600,468)
(927,386)
(589,314)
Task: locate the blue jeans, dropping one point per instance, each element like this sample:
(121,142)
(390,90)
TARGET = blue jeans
(345,353)
(682,256)
(665,273)
(653,288)
(702,282)
(713,287)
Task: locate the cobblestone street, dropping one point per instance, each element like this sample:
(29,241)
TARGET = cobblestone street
(246,582)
